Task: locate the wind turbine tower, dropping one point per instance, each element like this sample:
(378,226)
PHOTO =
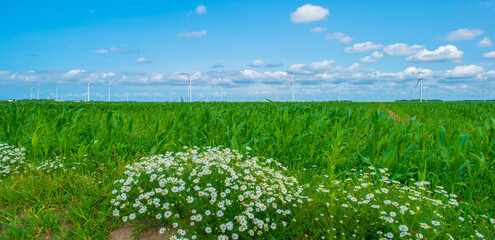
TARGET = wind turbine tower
(109,85)
(88,91)
(292,87)
(420,82)
(189,89)
(38,87)
(484,94)
(338,91)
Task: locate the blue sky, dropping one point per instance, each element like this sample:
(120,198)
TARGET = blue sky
(247,50)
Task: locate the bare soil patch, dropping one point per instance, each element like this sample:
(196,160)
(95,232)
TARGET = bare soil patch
(126,233)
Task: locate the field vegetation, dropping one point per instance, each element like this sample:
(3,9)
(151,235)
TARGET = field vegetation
(247,170)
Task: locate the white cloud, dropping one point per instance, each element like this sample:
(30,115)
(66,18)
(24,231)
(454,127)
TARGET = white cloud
(275,63)
(298,69)
(187,34)
(143,60)
(314,67)
(363,47)
(278,75)
(321,66)
(257,63)
(309,13)
(343,38)
(463,34)
(74,72)
(489,54)
(375,56)
(402,49)
(443,53)
(201,9)
(485,42)
(318,29)
(250,74)
(489,75)
(468,71)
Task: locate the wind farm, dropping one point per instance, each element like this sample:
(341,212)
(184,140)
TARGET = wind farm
(231,120)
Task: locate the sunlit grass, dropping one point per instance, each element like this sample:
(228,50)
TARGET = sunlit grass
(63,159)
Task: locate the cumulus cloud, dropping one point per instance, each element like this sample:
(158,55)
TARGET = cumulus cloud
(489,75)
(402,49)
(318,29)
(217,65)
(341,37)
(443,53)
(257,63)
(463,34)
(468,71)
(375,56)
(312,68)
(309,13)
(321,66)
(489,55)
(363,47)
(275,63)
(250,74)
(187,34)
(143,60)
(74,72)
(485,42)
(200,9)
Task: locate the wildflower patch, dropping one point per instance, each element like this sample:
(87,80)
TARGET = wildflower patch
(12,160)
(208,192)
(371,204)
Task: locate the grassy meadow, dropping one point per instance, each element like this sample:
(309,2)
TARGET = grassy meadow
(268,170)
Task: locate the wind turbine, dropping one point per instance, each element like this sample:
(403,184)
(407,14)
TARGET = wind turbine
(189,89)
(171,96)
(338,92)
(109,84)
(292,87)
(484,94)
(38,87)
(88,91)
(420,82)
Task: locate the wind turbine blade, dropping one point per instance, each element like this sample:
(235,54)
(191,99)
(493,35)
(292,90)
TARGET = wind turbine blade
(419,80)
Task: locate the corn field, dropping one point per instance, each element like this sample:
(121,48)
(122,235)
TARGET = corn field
(445,144)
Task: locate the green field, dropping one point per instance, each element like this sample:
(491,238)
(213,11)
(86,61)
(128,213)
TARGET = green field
(363,170)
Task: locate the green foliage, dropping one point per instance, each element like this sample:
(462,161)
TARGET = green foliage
(447,144)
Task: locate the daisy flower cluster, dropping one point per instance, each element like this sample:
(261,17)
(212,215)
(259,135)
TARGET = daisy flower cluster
(371,202)
(12,160)
(208,193)
(58,164)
